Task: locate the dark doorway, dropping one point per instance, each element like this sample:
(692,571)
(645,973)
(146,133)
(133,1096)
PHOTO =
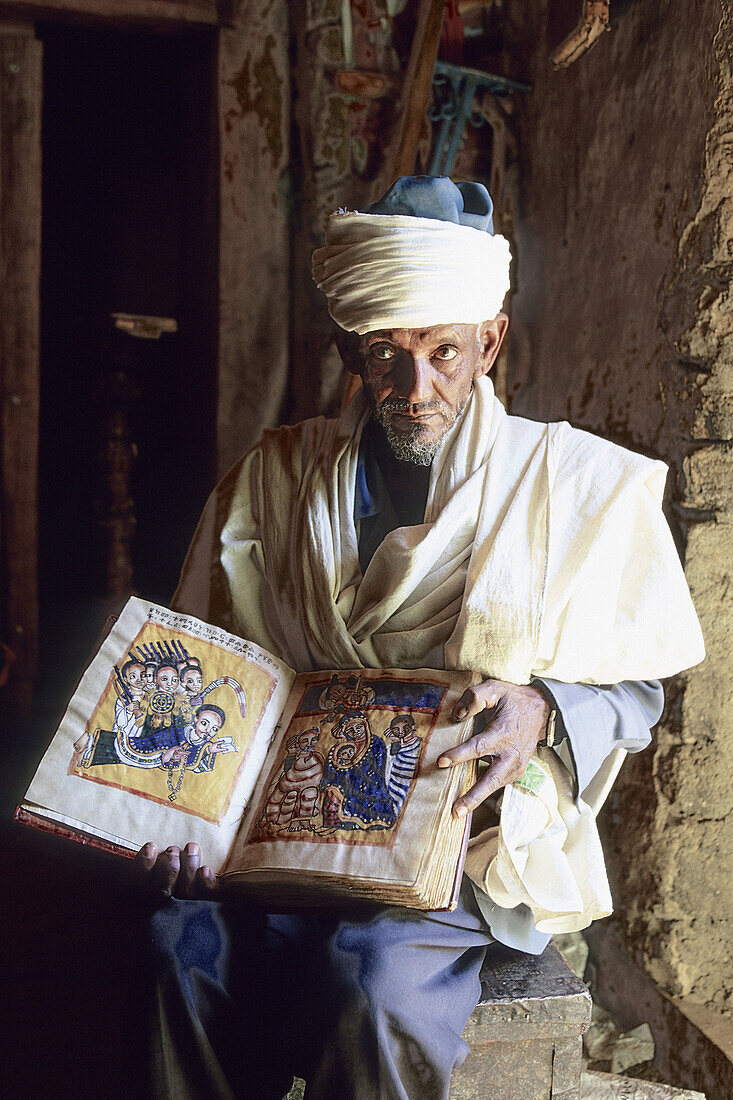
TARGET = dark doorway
(127,457)
(129,225)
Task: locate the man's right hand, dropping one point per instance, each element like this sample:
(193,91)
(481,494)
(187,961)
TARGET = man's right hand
(174,872)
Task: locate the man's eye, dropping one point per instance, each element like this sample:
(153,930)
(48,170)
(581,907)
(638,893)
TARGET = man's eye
(381,351)
(446,352)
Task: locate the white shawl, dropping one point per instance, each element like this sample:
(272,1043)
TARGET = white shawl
(544,552)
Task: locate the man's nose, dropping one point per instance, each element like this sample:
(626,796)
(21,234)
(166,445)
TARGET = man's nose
(414,380)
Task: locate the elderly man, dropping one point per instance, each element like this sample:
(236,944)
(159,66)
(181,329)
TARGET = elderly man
(422,528)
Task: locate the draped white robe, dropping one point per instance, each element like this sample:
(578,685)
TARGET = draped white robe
(543,552)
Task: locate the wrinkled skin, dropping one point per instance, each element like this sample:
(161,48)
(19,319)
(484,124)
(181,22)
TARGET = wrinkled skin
(514,719)
(417,381)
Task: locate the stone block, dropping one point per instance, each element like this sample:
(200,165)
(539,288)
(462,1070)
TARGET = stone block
(714,417)
(708,476)
(525,1033)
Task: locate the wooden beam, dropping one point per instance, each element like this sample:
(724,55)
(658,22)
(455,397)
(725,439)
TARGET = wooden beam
(20,266)
(400,156)
(592,23)
(205,12)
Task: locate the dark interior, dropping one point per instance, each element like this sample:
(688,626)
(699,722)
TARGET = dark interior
(129,225)
(128,207)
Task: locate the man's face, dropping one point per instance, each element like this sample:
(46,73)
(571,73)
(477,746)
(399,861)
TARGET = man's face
(307,742)
(417,381)
(167,680)
(401,729)
(150,671)
(135,676)
(208,723)
(193,681)
(338,693)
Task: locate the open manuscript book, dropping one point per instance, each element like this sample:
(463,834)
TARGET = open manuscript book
(298,787)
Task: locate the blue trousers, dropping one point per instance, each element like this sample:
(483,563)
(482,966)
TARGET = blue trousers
(365,1004)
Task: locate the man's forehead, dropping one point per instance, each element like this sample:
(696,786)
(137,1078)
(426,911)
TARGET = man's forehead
(430,332)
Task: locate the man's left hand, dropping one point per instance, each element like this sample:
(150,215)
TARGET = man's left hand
(515,721)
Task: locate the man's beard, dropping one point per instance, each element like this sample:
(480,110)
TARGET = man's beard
(410,446)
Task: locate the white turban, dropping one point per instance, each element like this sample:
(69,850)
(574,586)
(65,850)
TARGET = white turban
(386,271)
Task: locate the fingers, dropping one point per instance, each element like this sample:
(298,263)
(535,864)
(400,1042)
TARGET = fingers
(480,697)
(190,863)
(502,771)
(487,743)
(207,884)
(144,862)
(156,873)
(194,880)
(166,871)
(516,719)
(163,874)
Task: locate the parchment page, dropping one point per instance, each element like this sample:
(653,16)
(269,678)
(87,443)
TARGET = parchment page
(351,785)
(165,735)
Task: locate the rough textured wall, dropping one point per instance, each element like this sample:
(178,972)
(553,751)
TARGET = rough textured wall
(322,169)
(337,144)
(254,281)
(623,325)
(293,148)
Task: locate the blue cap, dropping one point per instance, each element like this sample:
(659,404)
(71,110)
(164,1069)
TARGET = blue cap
(439,198)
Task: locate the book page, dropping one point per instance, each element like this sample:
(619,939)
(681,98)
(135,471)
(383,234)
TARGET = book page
(165,735)
(351,785)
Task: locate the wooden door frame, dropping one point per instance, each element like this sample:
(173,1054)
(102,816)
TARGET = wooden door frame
(21,76)
(21,97)
(212,13)
(247,37)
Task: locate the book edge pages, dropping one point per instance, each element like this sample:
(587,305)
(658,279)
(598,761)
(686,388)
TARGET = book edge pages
(26,815)
(264,879)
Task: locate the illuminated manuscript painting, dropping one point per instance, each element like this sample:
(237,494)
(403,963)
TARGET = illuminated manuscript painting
(349,760)
(173,725)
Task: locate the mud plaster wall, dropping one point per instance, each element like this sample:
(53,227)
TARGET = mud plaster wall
(254,274)
(290,154)
(623,324)
(337,142)
(323,180)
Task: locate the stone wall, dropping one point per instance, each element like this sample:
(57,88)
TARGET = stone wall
(623,325)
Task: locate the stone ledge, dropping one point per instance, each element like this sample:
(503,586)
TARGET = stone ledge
(607,1086)
(692,1043)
